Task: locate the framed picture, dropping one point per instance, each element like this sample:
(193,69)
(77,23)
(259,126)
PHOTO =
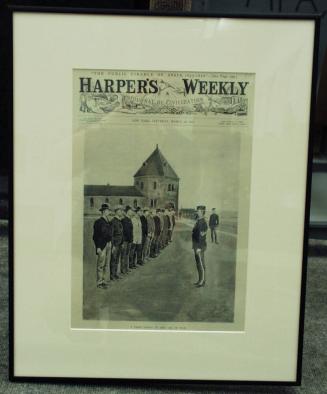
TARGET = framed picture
(160,195)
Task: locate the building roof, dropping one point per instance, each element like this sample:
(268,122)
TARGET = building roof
(156,164)
(109,190)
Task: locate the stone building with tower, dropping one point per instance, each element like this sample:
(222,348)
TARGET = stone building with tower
(156,185)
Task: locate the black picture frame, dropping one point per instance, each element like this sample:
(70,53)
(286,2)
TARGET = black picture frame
(70,8)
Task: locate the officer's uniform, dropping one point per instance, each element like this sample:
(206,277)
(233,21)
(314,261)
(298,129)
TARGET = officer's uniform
(199,244)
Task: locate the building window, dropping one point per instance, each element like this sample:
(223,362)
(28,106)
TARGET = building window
(151,203)
(169,187)
(107,200)
(135,203)
(172,187)
(154,185)
(155,203)
(91,202)
(120,201)
(142,185)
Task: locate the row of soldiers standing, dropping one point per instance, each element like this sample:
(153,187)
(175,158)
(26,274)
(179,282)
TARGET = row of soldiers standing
(125,238)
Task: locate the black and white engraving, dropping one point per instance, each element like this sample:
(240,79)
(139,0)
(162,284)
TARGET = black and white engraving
(161,199)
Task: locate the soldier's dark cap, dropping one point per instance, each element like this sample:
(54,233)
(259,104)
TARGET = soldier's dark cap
(137,209)
(127,208)
(104,207)
(163,210)
(158,210)
(145,209)
(202,207)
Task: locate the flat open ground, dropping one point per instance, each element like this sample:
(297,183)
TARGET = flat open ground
(162,289)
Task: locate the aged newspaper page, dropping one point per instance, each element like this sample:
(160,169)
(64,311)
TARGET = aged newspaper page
(161,185)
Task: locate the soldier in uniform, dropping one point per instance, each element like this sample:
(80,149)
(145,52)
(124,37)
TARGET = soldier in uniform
(213,224)
(162,229)
(117,241)
(171,224)
(102,237)
(150,225)
(166,227)
(136,248)
(128,239)
(144,226)
(173,219)
(156,236)
(199,244)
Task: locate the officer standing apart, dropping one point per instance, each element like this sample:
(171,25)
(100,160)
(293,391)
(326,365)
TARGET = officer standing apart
(102,237)
(213,224)
(199,244)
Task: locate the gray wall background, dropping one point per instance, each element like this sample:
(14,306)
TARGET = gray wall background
(264,6)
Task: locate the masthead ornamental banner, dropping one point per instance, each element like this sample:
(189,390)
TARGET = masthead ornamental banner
(163,92)
(149,148)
